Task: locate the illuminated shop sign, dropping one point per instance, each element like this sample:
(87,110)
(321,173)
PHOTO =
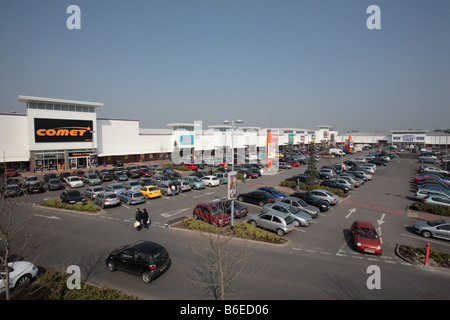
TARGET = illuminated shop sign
(62,130)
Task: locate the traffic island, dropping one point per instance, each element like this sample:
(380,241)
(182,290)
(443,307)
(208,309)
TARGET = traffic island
(417,256)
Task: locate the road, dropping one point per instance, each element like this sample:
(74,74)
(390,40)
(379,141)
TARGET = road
(316,263)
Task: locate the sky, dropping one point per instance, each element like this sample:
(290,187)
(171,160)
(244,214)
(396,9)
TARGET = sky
(270,63)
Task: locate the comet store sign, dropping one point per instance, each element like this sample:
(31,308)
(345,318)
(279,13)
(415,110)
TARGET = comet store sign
(59,130)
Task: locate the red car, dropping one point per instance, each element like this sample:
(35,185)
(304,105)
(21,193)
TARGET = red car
(10,173)
(294,163)
(211,214)
(190,166)
(365,237)
(144,172)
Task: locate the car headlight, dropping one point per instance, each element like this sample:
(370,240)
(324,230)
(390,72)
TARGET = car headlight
(358,244)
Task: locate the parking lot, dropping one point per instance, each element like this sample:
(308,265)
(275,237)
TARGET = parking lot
(382,201)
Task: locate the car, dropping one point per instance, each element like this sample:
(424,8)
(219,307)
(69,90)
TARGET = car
(12,190)
(238,208)
(199,174)
(150,191)
(31,179)
(49,176)
(107,199)
(312,200)
(250,173)
(428,159)
(438,200)
(71,197)
(345,182)
(21,273)
(332,183)
(91,179)
(54,184)
(313,211)
(35,187)
(119,176)
(105,176)
(92,192)
(439,228)
(183,185)
(78,173)
(115,187)
(64,175)
(422,193)
(189,165)
(276,221)
(211,181)
(326,195)
(355,182)
(133,173)
(301,218)
(273,191)
(74,182)
(132,197)
(223,177)
(293,163)
(326,173)
(284,165)
(11,173)
(196,183)
(145,259)
(161,180)
(365,238)
(210,213)
(258,197)
(132,185)
(145,172)
(435,170)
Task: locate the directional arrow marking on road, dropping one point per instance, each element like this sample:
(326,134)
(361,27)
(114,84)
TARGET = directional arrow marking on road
(380,222)
(48,217)
(350,212)
(173,213)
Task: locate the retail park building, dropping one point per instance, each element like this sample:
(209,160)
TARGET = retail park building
(67,134)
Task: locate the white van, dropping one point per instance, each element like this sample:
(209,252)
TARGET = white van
(336,152)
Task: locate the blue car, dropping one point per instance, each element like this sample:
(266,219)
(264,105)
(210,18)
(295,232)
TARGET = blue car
(273,191)
(132,197)
(239,209)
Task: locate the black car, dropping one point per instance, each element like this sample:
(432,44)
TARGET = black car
(144,258)
(311,199)
(54,184)
(105,176)
(64,175)
(335,184)
(72,196)
(35,187)
(258,197)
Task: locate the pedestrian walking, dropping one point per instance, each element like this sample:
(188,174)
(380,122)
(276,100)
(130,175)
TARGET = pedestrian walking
(138,219)
(173,190)
(145,218)
(245,177)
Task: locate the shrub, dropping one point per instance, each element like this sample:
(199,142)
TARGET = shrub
(431,208)
(84,206)
(55,284)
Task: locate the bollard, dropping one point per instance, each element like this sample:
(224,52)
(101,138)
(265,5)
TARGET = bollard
(427,254)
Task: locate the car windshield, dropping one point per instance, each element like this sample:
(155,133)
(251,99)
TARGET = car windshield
(294,210)
(74,179)
(435,222)
(289,220)
(110,196)
(367,233)
(215,210)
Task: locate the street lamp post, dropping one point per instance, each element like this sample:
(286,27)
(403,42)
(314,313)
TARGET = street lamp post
(232,163)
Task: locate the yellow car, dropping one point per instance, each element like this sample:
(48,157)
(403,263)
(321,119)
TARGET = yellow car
(150,191)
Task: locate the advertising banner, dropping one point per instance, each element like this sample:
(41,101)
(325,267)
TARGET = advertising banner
(62,130)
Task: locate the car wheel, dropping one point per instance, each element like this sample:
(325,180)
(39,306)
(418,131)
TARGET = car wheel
(280,232)
(195,217)
(426,234)
(24,280)
(296,223)
(111,266)
(261,203)
(253,223)
(240,199)
(146,277)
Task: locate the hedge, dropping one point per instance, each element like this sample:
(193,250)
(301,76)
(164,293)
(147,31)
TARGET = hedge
(304,186)
(431,208)
(82,206)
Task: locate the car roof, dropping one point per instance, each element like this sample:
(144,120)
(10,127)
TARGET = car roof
(364,224)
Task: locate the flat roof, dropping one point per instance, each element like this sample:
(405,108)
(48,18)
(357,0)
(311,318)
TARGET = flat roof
(59,101)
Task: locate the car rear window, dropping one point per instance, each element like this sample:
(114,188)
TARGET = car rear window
(289,220)
(111,196)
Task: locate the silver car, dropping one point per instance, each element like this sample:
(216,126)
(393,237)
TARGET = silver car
(107,199)
(436,228)
(313,211)
(92,192)
(195,182)
(276,221)
(326,195)
(115,187)
(131,185)
(437,200)
(91,179)
(422,193)
(301,218)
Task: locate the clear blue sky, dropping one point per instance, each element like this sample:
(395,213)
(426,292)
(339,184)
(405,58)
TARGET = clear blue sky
(296,63)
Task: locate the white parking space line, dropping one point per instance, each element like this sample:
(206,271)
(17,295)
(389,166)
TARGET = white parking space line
(426,239)
(173,213)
